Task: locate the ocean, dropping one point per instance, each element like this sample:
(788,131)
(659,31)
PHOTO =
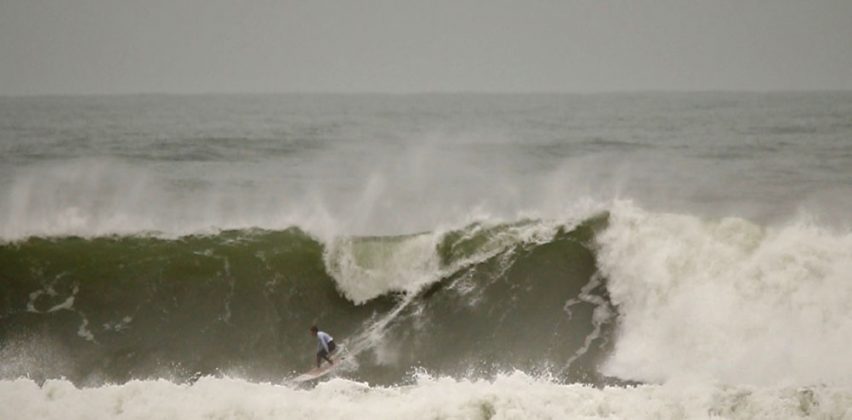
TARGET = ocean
(623,255)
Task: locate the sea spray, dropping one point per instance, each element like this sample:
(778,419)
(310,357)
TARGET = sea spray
(727,300)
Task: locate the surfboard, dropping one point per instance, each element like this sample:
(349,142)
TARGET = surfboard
(316,373)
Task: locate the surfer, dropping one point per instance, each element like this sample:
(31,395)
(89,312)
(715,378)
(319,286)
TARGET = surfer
(326,345)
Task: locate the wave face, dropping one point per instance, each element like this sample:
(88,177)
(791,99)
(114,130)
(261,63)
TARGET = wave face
(479,299)
(597,301)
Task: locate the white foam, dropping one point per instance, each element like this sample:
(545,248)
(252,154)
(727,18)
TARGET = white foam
(367,268)
(512,396)
(728,300)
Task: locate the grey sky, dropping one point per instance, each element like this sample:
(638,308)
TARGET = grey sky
(109,46)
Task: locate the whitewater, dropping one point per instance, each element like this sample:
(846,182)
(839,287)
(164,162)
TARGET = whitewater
(480,256)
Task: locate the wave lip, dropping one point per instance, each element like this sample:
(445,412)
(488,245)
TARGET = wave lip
(368,267)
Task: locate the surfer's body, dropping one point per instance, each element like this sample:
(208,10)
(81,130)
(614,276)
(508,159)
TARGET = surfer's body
(325,345)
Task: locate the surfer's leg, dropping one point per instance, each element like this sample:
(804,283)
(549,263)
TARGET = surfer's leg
(322,354)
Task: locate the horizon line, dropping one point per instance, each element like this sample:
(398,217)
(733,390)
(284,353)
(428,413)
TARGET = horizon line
(427,92)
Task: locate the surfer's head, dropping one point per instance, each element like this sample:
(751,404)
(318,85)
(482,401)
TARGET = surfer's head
(314,330)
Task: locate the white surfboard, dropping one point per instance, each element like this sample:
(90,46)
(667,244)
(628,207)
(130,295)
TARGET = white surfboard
(315,373)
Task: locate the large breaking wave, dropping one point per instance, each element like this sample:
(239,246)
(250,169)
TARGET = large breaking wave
(540,318)
(626,294)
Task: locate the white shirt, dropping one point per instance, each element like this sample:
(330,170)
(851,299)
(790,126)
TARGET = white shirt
(323,339)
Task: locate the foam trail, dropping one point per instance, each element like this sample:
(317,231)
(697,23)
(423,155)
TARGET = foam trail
(601,315)
(370,338)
